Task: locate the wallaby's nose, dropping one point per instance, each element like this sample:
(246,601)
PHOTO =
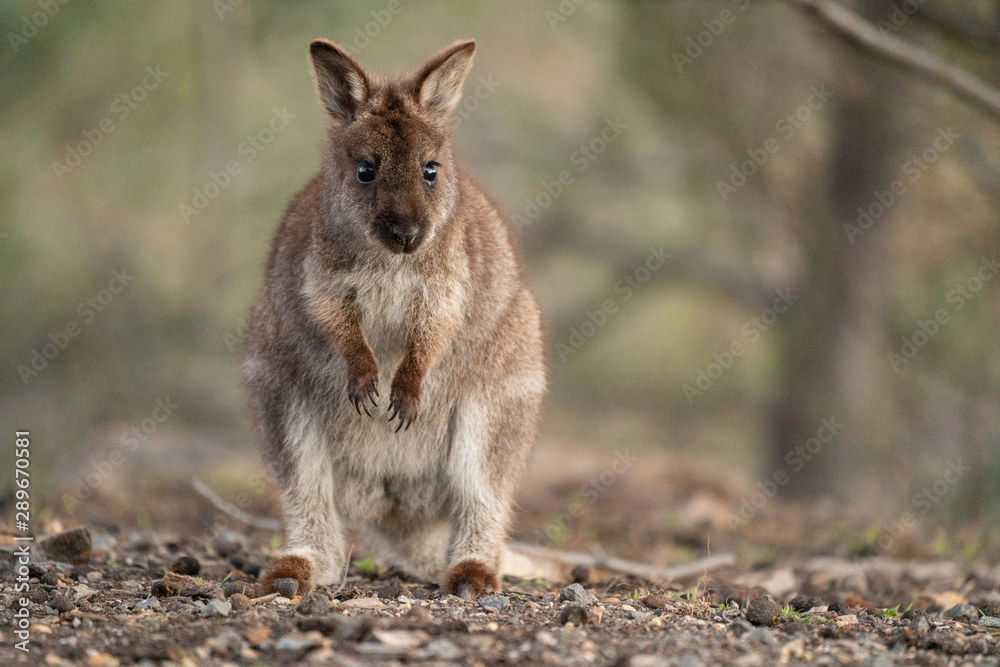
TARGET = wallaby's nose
(404,235)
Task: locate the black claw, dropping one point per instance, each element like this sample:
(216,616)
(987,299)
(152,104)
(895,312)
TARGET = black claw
(365,406)
(400,426)
(356,406)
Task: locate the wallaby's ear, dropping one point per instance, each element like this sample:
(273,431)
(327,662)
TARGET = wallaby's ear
(341,83)
(439,84)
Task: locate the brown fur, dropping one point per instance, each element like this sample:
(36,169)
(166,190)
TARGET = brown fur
(287,567)
(470,579)
(402,283)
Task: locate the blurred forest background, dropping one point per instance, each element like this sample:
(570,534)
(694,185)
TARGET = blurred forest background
(747,235)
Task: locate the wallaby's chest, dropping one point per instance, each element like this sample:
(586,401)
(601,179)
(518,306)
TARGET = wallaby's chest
(386,300)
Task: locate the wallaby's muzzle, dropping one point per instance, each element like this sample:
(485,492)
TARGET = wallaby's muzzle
(399,234)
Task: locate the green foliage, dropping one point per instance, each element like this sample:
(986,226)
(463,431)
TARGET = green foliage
(365,566)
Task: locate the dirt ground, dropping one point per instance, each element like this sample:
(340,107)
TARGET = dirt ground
(168,578)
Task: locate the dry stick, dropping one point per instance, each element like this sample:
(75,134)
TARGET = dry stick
(860,32)
(232,510)
(598,559)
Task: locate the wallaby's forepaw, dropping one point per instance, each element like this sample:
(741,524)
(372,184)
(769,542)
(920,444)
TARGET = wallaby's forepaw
(403,402)
(287,567)
(363,388)
(471,578)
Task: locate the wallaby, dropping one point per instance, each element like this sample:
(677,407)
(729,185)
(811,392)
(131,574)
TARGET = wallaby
(395,361)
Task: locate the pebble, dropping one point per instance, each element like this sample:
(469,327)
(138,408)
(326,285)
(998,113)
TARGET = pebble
(228,543)
(162,589)
(803,603)
(313,605)
(656,601)
(763,611)
(150,603)
(363,603)
(498,602)
(38,595)
(576,593)
(573,614)
(217,608)
(83,592)
(69,546)
(295,641)
(285,587)
(636,615)
(989,621)
(186,565)
(239,602)
(920,624)
(441,649)
(62,604)
(839,608)
(231,588)
(962,611)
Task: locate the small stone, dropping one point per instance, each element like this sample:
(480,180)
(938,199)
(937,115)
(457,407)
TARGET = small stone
(573,614)
(847,620)
(83,592)
(295,641)
(186,565)
(989,621)
(656,601)
(285,587)
(62,604)
(443,650)
(94,576)
(231,588)
(576,593)
(162,589)
(962,612)
(150,603)
(239,602)
(839,608)
(497,602)
(763,611)
(69,546)
(580,574)
(595,614)
(313,604)
(357,628)
(921,624)
(420,615)
(636,615)
(363,603)
(245,566)
(803,603)
(215,608)
(38,595)
(228,543)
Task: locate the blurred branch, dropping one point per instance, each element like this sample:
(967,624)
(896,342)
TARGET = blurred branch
(854,29)
(232,510)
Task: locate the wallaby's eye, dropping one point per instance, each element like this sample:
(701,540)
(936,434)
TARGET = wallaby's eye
(430,171)
(366,172)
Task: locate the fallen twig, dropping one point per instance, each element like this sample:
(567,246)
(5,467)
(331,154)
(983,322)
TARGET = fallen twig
(232,510)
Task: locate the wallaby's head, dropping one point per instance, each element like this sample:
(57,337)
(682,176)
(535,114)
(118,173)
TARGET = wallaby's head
(389,177)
